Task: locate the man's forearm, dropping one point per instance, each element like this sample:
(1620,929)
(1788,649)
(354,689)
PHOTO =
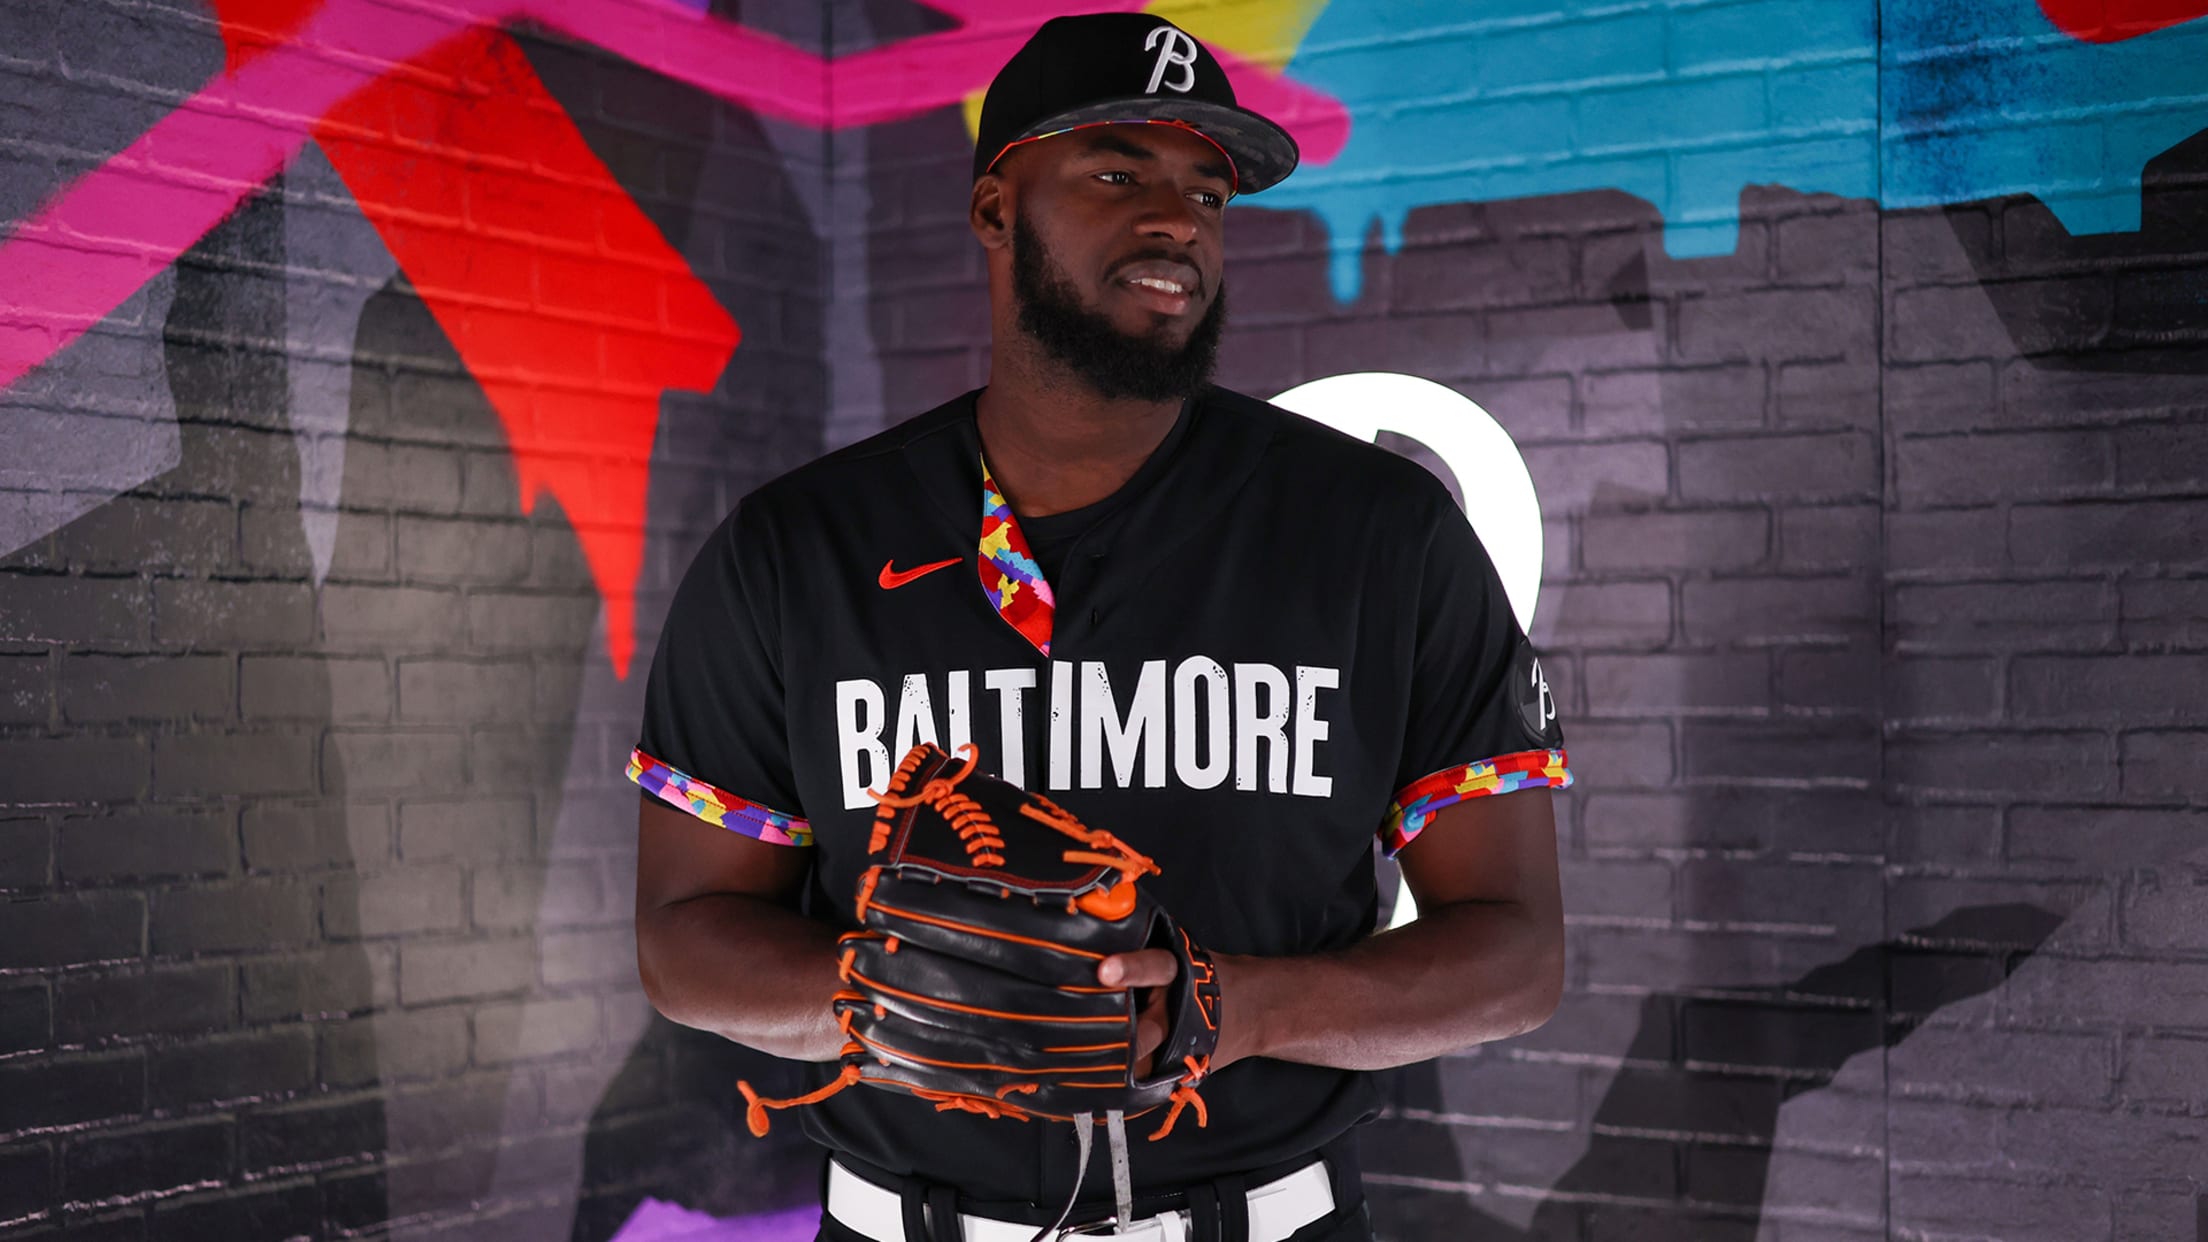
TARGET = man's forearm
(1461,974)
(743,968)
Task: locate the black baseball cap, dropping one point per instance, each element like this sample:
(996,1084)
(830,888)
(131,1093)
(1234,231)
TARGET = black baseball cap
(1114,68)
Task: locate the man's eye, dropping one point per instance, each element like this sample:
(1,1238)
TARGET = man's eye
(1211,200)
(1125,178)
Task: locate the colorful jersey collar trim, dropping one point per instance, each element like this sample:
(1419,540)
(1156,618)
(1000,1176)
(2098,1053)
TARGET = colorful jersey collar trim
(1009,575)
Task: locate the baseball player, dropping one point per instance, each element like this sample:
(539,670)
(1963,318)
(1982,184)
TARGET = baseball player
(1245,644)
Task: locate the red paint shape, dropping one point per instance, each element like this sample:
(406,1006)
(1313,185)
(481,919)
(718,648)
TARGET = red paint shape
(569,308)
(250,27)
(2113,21)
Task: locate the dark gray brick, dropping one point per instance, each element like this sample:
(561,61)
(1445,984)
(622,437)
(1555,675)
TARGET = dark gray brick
(1839,750)
(80,770)
(1833,394)
(551,895)
(1981,469)
(71,929)
(479,829)
(325,981)
(261,762)
(1826,608)
(410,478)
(389,619)
(26,1017)
(280,837)
(271,541)
(2165,613)
(76,611)
(1572,338)
(1458,277)
(163,1000)
(531,1030)
(2003,616)
(26,689)
(153,1159)
(2062,765)
(514,622)
(248,915)
(1794,468)
(147,844)
(1789,324)
(395,1045)
(323,1131)
(1923,690)
(1944,835)
(26,1180)
(464,691)
(1656,402)
(2166,764)
(1827,538)
(71,1090)
(26,854)
(2128,689)
(473,551)
(1671,683)
(2132,535)
(1775,1036)
(2074,993)
(1828,248)
(394,760)
(1825,822)
(285,1210)
(1941,397)
(1825,681)
(1783,898)
(2173,1068)
(393,903)
(1946,543)
(1604,615)
(1440,347)
(2164,458)
(1610,475)
(231,615)
(333,688)
(432,971)
(2091,838)
(1715,539)
(1967,321)
(234,1069)
(580,958)
(1626,754)
(133,533)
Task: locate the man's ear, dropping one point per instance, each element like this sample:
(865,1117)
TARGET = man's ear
(989,212)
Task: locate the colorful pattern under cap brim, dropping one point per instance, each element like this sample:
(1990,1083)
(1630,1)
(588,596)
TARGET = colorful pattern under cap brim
(1009,574)
(1415,806)
(1234,171)
(716,806)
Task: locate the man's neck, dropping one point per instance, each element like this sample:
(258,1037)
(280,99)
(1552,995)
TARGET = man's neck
(1054,444)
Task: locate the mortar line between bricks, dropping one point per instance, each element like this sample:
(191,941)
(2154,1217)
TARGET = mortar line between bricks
(1886,499)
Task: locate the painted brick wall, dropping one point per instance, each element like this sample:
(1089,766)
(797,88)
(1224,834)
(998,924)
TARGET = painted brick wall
(1874,595)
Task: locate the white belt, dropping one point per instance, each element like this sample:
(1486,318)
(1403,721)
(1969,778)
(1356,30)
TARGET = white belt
(1277,1209)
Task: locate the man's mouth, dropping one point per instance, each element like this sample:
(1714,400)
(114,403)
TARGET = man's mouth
(1161,284)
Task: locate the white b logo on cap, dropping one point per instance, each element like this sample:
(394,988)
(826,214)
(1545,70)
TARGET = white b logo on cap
(1178,49)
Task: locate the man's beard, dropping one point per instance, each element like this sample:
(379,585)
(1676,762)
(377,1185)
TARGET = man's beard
(1086,342)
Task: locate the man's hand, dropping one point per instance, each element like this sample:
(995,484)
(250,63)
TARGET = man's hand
(1148,973)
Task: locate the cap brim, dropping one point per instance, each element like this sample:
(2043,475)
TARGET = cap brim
(1262,152)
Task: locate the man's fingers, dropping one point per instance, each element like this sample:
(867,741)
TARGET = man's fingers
(1145,968)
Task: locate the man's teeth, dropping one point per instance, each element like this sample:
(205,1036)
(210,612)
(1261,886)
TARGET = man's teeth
(1163,286)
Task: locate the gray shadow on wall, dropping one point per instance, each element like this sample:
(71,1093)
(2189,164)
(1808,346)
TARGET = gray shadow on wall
(1900,982)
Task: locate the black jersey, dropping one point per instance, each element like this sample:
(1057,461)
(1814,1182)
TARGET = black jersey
(1275,645)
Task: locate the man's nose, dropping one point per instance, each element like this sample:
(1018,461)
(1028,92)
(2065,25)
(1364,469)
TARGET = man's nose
(1168,213)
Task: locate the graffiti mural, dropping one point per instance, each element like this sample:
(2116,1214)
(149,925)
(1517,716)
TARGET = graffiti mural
(370,370)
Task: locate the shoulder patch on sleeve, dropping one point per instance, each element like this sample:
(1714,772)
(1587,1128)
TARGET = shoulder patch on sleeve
(1536,706)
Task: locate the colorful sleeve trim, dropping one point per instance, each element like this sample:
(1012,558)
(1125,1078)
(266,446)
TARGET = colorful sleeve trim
(716,806)
(1417,802)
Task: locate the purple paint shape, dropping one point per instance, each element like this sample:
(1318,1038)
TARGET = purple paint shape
(657,1221)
